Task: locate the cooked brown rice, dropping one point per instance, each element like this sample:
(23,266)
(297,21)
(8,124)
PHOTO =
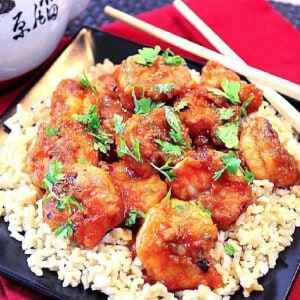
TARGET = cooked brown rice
(258,236)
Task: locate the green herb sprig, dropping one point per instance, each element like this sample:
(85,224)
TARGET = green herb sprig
(86,82)
(124,150)
(102,140)
(147,56)
(166,170)
(133,216)
(233,165)
(144,105)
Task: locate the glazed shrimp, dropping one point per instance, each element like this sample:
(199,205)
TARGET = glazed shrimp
(102,207)
(173,245)
(265,156)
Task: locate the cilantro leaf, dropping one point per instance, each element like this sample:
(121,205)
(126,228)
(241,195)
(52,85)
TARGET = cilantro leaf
(147,56)
(233,165)
(82,160)
(249,176)
(180,207)
(64,230)
(228,134)
(119,126)
(245,105)
(124,150)
(133,215)
(169,148)
(166,170)
(102,140)
(51,131)
(167,197)
(67,202)
(230,91)
(54,175)
(229,249)
(174,122)
(86,82)
(172,59)
(182,105)
(205,211)
(144,105)
(232,162)
(164,88)
(225,113)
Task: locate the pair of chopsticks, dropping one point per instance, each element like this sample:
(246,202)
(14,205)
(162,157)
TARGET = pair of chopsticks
(265,81)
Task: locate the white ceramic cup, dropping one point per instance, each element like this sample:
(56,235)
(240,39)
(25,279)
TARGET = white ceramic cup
(30,30)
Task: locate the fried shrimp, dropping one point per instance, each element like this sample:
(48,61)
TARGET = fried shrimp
(99,207)
(130,74)
(265,156)
(226,197)
(173,245)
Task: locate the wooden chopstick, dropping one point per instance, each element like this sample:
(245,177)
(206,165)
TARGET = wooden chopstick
(288,111)
(283,86)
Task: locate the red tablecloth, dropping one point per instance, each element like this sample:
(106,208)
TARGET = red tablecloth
(258,33)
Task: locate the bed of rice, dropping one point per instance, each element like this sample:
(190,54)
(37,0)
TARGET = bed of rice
(258,236)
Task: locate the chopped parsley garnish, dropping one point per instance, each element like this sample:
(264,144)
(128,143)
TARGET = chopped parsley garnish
(82,160)
(64,230)
(232,165)
(205,211)
(133,215)
(119,126)
(51,131)
(229,249)
(67,202)
(86,82)
(167,197)
(228,134)
(169,148)
(174,122)
(180,207)
(172,59)
(166,170)
(54,175)
(230,90)
(147,56)
(144,105)
(124,150)
(245,105)
(182,105)
(225,113)
(102,140)
(164,88)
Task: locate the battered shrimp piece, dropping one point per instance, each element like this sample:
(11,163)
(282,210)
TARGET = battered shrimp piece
(226,197)
(109,104)
(69,145)
(102,207)
(202,118)
(130,74)
(199,115)
(174,243)
(71,97)
(214,73)
(265,156)
(146,130)
(137,193)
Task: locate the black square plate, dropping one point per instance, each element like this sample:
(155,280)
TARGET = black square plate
(87,48)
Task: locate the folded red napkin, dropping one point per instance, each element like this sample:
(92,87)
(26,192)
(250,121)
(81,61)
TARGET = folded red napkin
(258,33)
